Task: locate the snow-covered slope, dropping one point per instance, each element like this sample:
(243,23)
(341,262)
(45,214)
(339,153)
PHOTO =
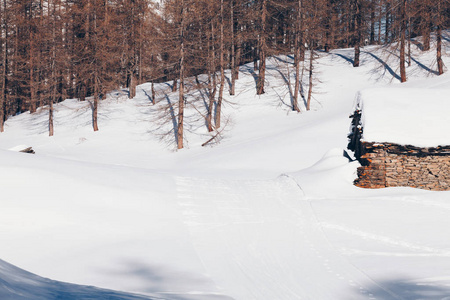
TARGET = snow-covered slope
(17,284)
(269,212)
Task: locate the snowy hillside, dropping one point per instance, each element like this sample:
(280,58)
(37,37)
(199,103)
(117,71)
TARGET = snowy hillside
(268,212)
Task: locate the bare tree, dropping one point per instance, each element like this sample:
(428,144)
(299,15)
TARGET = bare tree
(440,7)
(262,47)
(402,16)
(298,47)
(357,31)
(180,128)
(222,66)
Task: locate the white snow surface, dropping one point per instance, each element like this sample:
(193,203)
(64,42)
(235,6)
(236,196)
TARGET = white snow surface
(405,116)
(268,212)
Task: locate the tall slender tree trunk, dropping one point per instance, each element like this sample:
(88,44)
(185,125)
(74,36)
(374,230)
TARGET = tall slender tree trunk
(141,46)
(256,56)
(95,104)
(233,50)
(311,68)
(262,50)
(40,99)
(402,41)
(32,106)
(153,94)
(327,27)
(387,27)
(297,54)
(4,33)
(53,71)
(211,77)
(372,23)
(222,68)
(180,125)
(358,24)
(439,61)
(380,13)
(408,12)
(133,84)
(238,51)
(426,24)
(32,84)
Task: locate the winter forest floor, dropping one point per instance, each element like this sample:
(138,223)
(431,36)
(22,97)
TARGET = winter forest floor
(268,211)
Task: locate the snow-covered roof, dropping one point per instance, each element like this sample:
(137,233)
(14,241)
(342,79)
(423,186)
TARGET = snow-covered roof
(405,116)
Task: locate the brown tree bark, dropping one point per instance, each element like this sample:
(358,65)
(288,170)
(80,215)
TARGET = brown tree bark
(180,125)
(262,49)
(439,26)
(95,102)
(153,94)
(53,72)
(297,54)
(133,84)
(211,77)
(372,22)
(222,68)
(357,34)
(233,50)
(402,40)
(4,33)
(387,27)
(311,68)
(425,13)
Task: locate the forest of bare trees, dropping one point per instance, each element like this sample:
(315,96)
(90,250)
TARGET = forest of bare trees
(57,49)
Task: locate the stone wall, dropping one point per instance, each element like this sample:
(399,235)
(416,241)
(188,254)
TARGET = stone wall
(388,165)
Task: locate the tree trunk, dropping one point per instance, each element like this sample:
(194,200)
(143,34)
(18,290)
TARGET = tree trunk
(132,88)
(255,56)
(426,24)
(153,94)
(297,49)
(233,54)
(211,78)
(439,61)
(380,14)
(439,51)
(311,68)
(4,32)
(53,70)
(372,23)
(409,35)
(387,22)
(180,134)
(402,41)
(262,50)
(95,104)
(358,25)
(50,119)
(32,90)
(222,69)
(238,52)
(32,104)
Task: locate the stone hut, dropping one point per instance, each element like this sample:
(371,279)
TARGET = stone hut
(401,137)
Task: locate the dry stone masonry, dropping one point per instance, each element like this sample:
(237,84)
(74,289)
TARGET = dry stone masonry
(390,165)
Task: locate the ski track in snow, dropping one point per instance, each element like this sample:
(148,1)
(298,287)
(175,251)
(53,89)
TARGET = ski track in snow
(419,250)
(262,240)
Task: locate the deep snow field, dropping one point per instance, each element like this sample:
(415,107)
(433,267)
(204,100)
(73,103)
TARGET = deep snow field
(267,212)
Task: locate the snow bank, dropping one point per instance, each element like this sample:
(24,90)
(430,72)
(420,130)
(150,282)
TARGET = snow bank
(418,117)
